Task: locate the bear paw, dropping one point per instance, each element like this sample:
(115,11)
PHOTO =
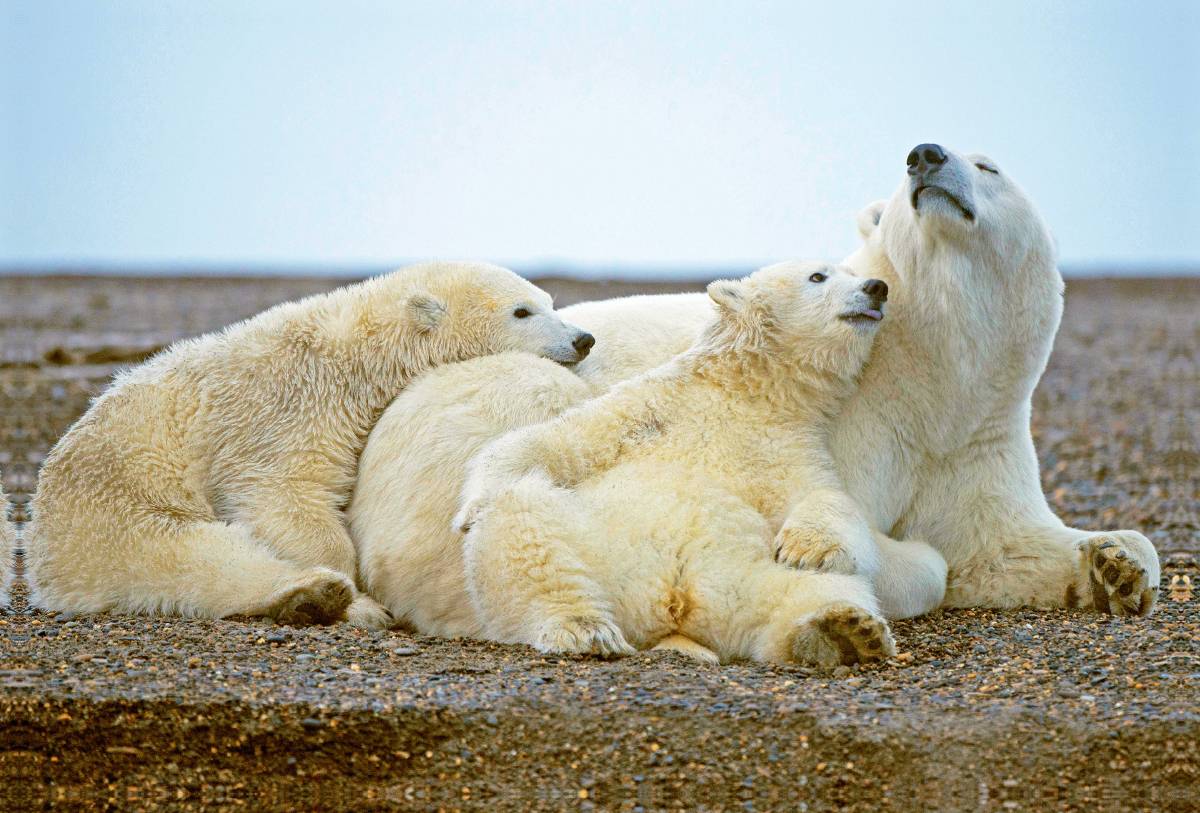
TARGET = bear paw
(843,634)
(323,601)
(686,646)
(584,636)
(1122,571)
(368,614)
(809,547)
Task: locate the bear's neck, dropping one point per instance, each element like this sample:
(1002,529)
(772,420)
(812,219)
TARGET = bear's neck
(374,355)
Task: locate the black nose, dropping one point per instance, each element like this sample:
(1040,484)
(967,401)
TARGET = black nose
(876,289)
(583,343)
(925,157)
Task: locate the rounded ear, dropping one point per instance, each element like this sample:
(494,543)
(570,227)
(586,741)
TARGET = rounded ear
(427,312)
(868,218)
(729,294)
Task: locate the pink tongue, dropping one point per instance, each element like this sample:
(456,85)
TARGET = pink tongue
(876,315)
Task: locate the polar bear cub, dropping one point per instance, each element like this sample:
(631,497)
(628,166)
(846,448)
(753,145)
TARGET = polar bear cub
(210,480)
(650,514)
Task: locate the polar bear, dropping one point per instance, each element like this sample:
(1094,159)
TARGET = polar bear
(650,513)
(210,480)
(934,447)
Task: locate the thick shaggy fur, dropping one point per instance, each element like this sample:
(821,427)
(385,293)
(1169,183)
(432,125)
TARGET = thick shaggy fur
(934,447)
(652,511)
(210,480)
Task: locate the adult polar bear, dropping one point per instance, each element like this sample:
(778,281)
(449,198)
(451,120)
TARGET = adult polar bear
(935,446)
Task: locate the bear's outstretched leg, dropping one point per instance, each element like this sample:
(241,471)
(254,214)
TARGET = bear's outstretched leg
(196,569)
(1114,572)
(1005,548)
(526,582)
(757,608)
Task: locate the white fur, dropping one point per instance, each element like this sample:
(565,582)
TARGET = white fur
(209,481)
(935,446)
(653,510)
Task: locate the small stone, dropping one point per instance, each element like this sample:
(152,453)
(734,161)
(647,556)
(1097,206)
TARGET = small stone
(63,618)
(1088,698)
(194,663)
(405,652)
(1068,693)
(842,672)
(84,657)
(311,723)
(277,639)
(491,720)
(855,682)
(905,657)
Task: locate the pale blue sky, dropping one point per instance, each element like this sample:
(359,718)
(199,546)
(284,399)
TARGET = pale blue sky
(355,134)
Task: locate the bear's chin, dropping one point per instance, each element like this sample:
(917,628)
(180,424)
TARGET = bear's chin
(933,201)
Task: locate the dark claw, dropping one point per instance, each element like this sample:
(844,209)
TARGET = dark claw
(1106,545)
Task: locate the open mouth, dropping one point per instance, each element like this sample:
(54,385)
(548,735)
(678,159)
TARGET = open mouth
(948,195)
(869,316)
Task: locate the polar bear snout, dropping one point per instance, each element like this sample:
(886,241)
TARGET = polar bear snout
(925,157)
(938,182)
(865,304)
(583,344)
(876,289)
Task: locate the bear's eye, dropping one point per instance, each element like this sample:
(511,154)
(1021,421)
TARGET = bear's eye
(986,168)
(522,313)
(817,277)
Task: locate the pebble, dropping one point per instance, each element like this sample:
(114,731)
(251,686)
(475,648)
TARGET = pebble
(843,672)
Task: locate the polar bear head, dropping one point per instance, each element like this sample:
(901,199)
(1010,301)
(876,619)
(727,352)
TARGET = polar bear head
(971,264)
(958,220)
(457,311)
(814,314)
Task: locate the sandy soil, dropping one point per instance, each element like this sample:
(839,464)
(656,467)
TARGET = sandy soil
(982,711)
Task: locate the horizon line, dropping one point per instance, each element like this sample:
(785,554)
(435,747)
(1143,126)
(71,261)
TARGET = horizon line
(617,272)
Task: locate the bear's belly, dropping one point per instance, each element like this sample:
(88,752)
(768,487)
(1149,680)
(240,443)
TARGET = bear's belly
(651,535)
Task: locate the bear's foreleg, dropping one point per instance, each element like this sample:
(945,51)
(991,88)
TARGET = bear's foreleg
(826,531)
(1005,548)
(1114,572)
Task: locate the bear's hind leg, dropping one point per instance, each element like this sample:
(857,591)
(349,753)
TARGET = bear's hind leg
(770,612)
(193,569)
(526,581)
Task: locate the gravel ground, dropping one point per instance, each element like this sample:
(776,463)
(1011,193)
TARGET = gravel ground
(981,711)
